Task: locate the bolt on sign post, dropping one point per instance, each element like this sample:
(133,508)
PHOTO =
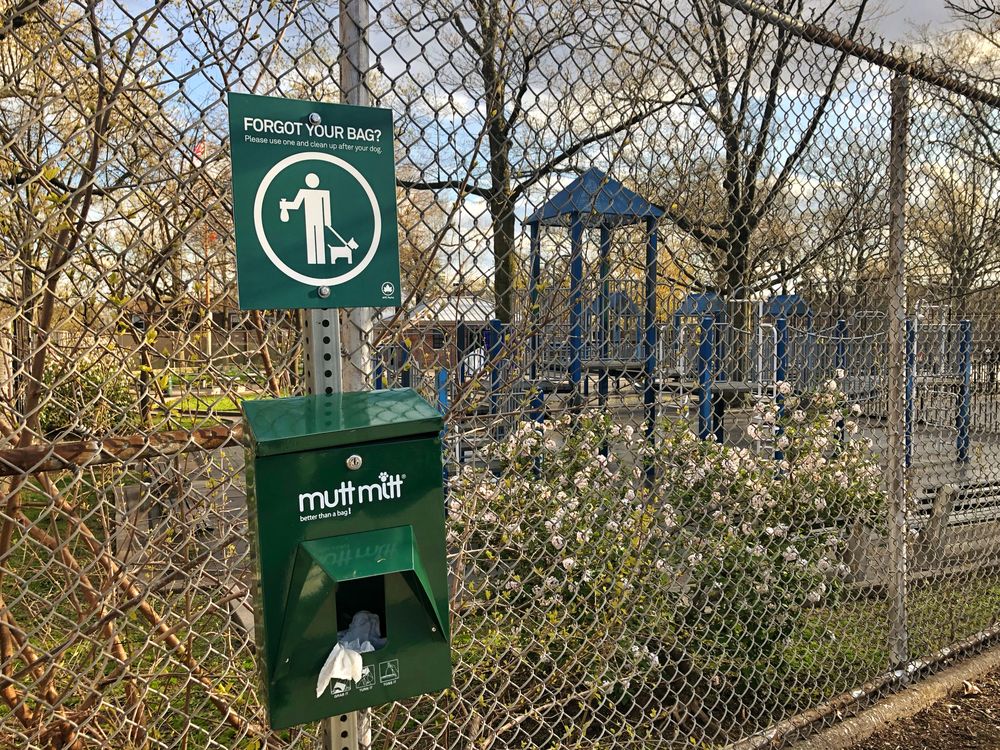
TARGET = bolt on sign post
(314,204)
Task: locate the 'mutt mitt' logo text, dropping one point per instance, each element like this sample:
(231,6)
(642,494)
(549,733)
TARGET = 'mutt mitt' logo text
(342,499)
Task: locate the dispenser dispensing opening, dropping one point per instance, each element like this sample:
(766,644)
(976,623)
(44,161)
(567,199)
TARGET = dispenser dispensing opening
(363,595)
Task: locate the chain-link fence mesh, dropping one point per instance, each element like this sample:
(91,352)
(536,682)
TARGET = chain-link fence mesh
(706,293)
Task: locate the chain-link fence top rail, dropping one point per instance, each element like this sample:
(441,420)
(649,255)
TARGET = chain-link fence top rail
(716,343)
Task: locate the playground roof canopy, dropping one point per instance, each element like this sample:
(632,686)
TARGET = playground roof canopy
(452,308)
(700,303)
(788,305)
(598,199)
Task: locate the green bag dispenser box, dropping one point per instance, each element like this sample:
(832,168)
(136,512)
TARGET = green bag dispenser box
(346,511)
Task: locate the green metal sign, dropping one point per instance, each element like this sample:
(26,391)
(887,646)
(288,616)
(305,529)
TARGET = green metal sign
(314,204)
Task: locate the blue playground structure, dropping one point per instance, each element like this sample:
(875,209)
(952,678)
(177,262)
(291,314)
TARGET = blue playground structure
(603,329)
(596,201)
(795,344)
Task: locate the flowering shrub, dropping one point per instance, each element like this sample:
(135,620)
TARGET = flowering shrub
(586,583)
(764,538)
(555,553)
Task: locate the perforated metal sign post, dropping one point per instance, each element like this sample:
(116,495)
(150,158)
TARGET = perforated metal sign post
(314,204)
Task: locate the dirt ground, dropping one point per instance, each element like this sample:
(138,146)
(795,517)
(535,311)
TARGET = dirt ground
(968,719)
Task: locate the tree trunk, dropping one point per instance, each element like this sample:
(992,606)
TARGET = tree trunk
(504,259)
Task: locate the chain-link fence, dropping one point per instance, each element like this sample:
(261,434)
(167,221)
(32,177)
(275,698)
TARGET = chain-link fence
(707,292)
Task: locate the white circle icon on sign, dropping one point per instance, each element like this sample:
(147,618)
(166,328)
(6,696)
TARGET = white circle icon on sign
(312,201)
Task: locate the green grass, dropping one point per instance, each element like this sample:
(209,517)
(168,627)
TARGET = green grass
(835,650)
(196,410)
(948,610)
(194,402)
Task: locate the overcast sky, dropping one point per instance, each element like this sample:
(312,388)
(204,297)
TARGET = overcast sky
(901,20)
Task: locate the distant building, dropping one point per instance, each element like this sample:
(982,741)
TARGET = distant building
(187,334)
(435,327)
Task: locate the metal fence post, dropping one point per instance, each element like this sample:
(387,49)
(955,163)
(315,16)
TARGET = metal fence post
(405,365)
(911,388)
(322,352)
(533,316)
(576,309)
(442,389)
(354,63)
(349,342)
(494,356)
(896,448)
(605,312)
(461,349)
(964,415)
(649,335)
(706,367)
